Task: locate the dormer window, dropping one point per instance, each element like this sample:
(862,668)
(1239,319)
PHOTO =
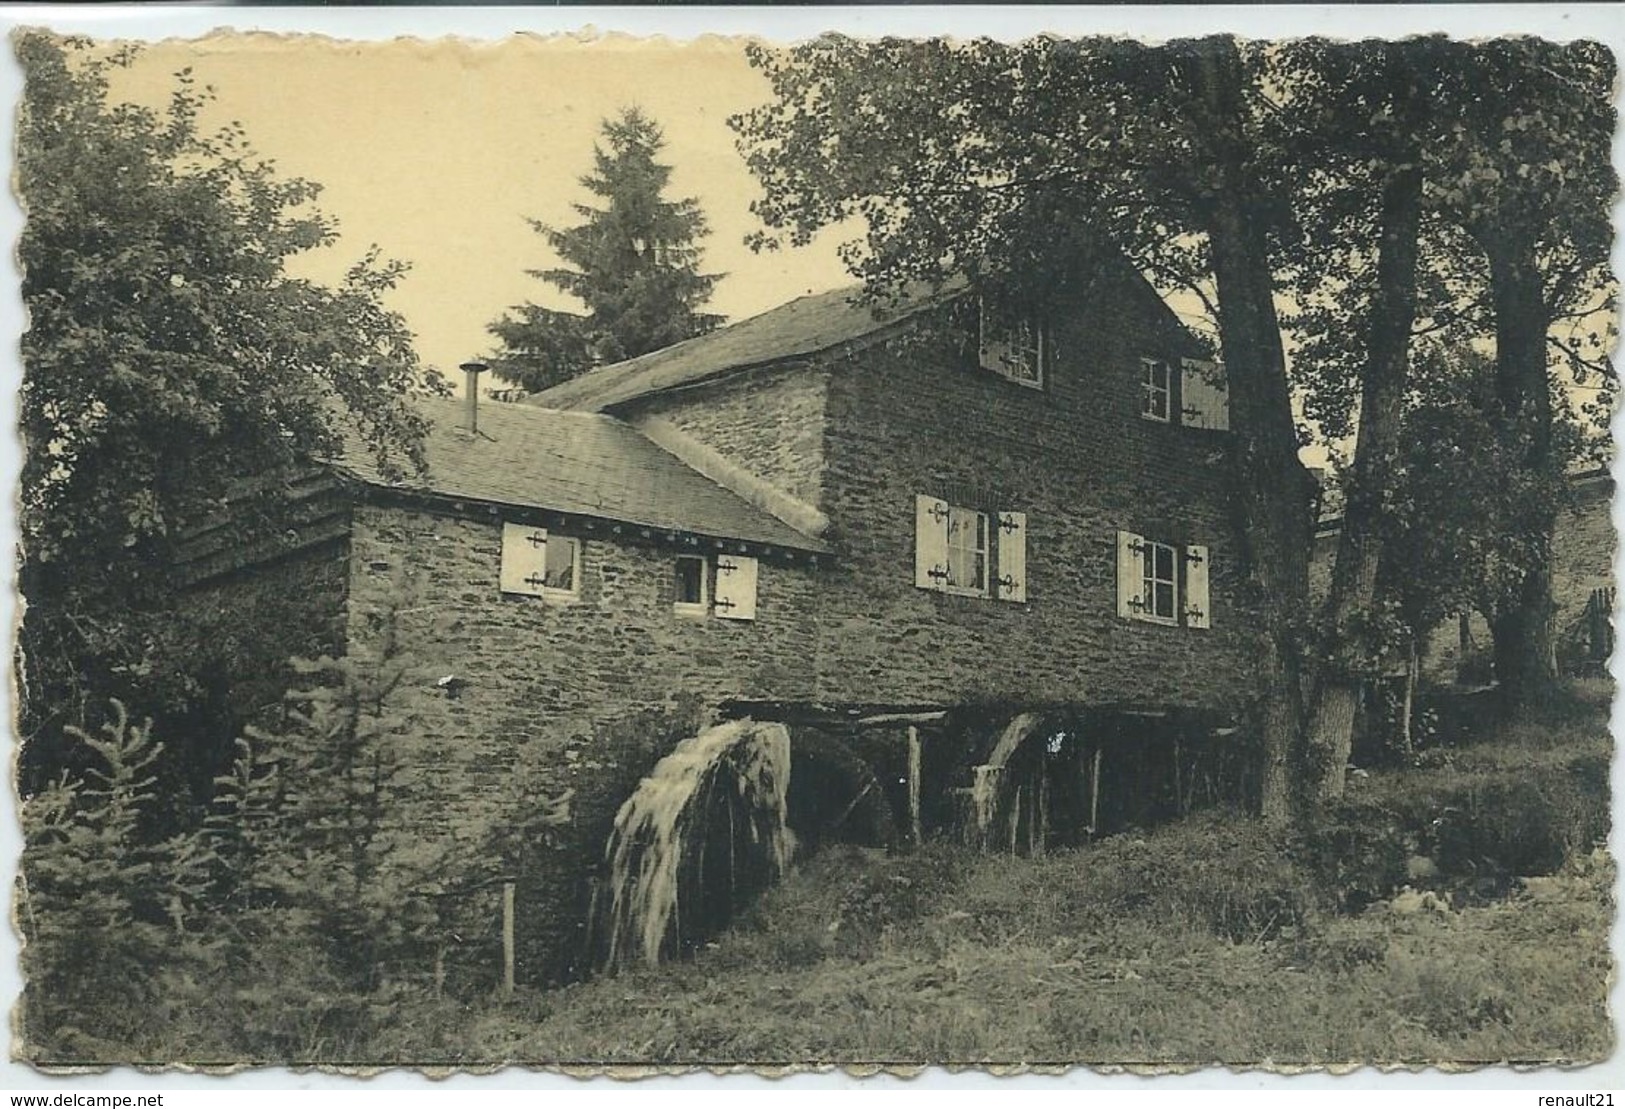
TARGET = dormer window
(1012,345)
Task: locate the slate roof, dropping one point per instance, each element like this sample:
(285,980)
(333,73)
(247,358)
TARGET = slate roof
(580,463)
(804,326)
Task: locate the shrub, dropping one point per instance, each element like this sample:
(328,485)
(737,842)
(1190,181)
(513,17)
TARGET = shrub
(103,907)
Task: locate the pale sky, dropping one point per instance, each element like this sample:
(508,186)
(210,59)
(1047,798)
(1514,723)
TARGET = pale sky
(438,152)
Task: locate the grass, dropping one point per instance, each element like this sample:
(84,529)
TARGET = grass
(1208,942)
(1212,941)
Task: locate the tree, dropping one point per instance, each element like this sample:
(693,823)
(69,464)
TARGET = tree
(1529,180)
(633,263)
(309,820)
(170,363)
(1371,105)
(1009,164)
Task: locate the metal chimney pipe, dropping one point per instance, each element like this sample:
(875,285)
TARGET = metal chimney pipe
(471,395)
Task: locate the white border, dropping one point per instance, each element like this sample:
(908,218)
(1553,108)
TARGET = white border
(1605,22)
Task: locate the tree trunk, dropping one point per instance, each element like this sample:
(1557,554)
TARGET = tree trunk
(1382,403)
(1524,644)
(1274,495)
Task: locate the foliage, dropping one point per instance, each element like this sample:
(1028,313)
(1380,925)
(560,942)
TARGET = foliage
(104,905)
(170,363)
(303,901)
(633,263)
(1029,170)
(311,816)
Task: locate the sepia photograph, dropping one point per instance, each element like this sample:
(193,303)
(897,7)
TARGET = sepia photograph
(607,551)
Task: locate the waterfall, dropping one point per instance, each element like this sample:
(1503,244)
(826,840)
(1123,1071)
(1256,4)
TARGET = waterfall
(989,782)
(703,830)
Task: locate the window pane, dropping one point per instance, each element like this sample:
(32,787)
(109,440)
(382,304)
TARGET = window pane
(1165,599)
(561,564)
(1165,562)
(1155,394)
(690,579)
(967,549)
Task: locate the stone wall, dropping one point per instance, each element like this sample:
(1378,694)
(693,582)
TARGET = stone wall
(918,416)
(583,695)
(770,422)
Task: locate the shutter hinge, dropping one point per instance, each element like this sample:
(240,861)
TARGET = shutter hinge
(535,580)
(1008,524)
(1008,583)
(1138,604)
(1192,557)
(1194,613)
(1137,547)
(724,603)
(938,512)
(536,539)
(937,573)
(726,566)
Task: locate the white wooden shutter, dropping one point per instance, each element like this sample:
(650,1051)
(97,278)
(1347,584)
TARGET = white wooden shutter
(1198,613)
(1130,574)
(736,588)
(1012,566)
(524,559)
(930,543)
(1205,402)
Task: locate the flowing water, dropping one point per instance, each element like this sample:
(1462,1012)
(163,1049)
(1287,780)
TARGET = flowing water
(703,831)
(990,784)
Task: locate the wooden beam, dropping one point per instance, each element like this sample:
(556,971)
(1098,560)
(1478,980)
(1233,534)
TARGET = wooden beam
(910,718)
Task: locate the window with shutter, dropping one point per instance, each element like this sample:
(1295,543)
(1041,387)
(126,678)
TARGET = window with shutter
(1012,557)
(1204,402)
(524,560)
(736,587)
(1162,583)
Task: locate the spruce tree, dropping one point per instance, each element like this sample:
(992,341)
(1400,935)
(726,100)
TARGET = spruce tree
(634,264)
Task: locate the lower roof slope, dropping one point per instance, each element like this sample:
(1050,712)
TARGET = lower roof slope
(578,463)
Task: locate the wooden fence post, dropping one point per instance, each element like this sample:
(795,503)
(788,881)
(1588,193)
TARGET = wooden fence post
(507,941)
(914,761)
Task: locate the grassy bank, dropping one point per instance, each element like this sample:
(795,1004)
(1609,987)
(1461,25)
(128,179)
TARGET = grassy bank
(1455,910)
(1207,942)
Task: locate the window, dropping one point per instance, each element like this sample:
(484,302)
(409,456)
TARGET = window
(536,564)
(690,595)
(1156,390)
(1202,398)
(563,568)
(969,552)
(1162,583)
(1012,346)
(1159,582)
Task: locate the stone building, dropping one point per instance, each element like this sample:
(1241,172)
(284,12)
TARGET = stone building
(946,545)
